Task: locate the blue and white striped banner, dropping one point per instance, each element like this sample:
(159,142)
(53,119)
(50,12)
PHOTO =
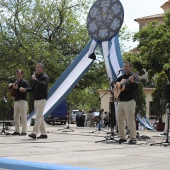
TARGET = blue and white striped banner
(113,58)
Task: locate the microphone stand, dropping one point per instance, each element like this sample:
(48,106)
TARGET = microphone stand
(113,115)
(4,115)
(68,120)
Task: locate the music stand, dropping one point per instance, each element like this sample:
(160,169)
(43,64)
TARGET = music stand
(167,142)
(4,100)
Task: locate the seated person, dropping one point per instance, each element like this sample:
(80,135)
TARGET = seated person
(89,120)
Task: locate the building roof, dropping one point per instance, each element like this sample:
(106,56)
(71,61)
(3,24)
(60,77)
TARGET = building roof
(150,17)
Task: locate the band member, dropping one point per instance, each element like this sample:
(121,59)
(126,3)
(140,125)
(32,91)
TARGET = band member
(127,105)
(167,121)
(40,87)
(20,103)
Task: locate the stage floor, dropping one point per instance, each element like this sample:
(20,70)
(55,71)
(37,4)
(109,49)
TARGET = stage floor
(82,150)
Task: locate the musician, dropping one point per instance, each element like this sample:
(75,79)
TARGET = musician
(20,103)
(40,86)
(127,105)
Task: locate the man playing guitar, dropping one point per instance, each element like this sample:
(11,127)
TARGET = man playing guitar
(126,107)
(20,103)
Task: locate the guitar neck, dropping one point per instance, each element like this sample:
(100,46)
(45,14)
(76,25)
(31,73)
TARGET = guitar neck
(122,84)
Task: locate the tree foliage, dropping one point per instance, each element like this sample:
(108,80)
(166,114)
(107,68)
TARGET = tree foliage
(125,35)
(140,101)
(153,56)
(154,42)
(158,96)
(40,31)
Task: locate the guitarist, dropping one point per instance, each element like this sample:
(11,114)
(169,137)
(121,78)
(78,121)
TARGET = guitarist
(20,103)
(127,104)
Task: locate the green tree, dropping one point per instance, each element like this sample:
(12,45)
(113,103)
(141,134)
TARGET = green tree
(136,60)
(40,31)
(158,96)
(140,100)
(125,35)
(154,42)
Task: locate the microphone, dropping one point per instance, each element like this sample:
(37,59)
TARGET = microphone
(33,77)
(119,70)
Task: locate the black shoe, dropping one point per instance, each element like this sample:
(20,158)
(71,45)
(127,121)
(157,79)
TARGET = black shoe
(22,134)
(15,133)
(132,142)
(42,137)
(122,141)
(33,136)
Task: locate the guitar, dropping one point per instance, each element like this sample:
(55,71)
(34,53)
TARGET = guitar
(13,90)
(120,86)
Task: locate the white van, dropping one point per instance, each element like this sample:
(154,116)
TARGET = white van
(74,113)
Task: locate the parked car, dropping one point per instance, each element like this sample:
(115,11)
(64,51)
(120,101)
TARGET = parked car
(74,113)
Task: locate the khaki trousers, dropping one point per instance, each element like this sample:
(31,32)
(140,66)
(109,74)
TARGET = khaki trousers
(126,112)
(20,110)
(39,125)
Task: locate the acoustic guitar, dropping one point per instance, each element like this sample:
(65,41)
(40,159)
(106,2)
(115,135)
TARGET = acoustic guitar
(12,90)
(120,86)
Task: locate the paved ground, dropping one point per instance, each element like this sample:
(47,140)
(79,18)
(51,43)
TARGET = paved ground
(79,149)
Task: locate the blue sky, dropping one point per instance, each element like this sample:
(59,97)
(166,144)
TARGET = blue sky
(139,8)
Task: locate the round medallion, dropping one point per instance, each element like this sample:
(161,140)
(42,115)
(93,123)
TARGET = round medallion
(105,19)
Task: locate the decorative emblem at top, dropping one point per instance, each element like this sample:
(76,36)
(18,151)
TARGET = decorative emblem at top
(105,19)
